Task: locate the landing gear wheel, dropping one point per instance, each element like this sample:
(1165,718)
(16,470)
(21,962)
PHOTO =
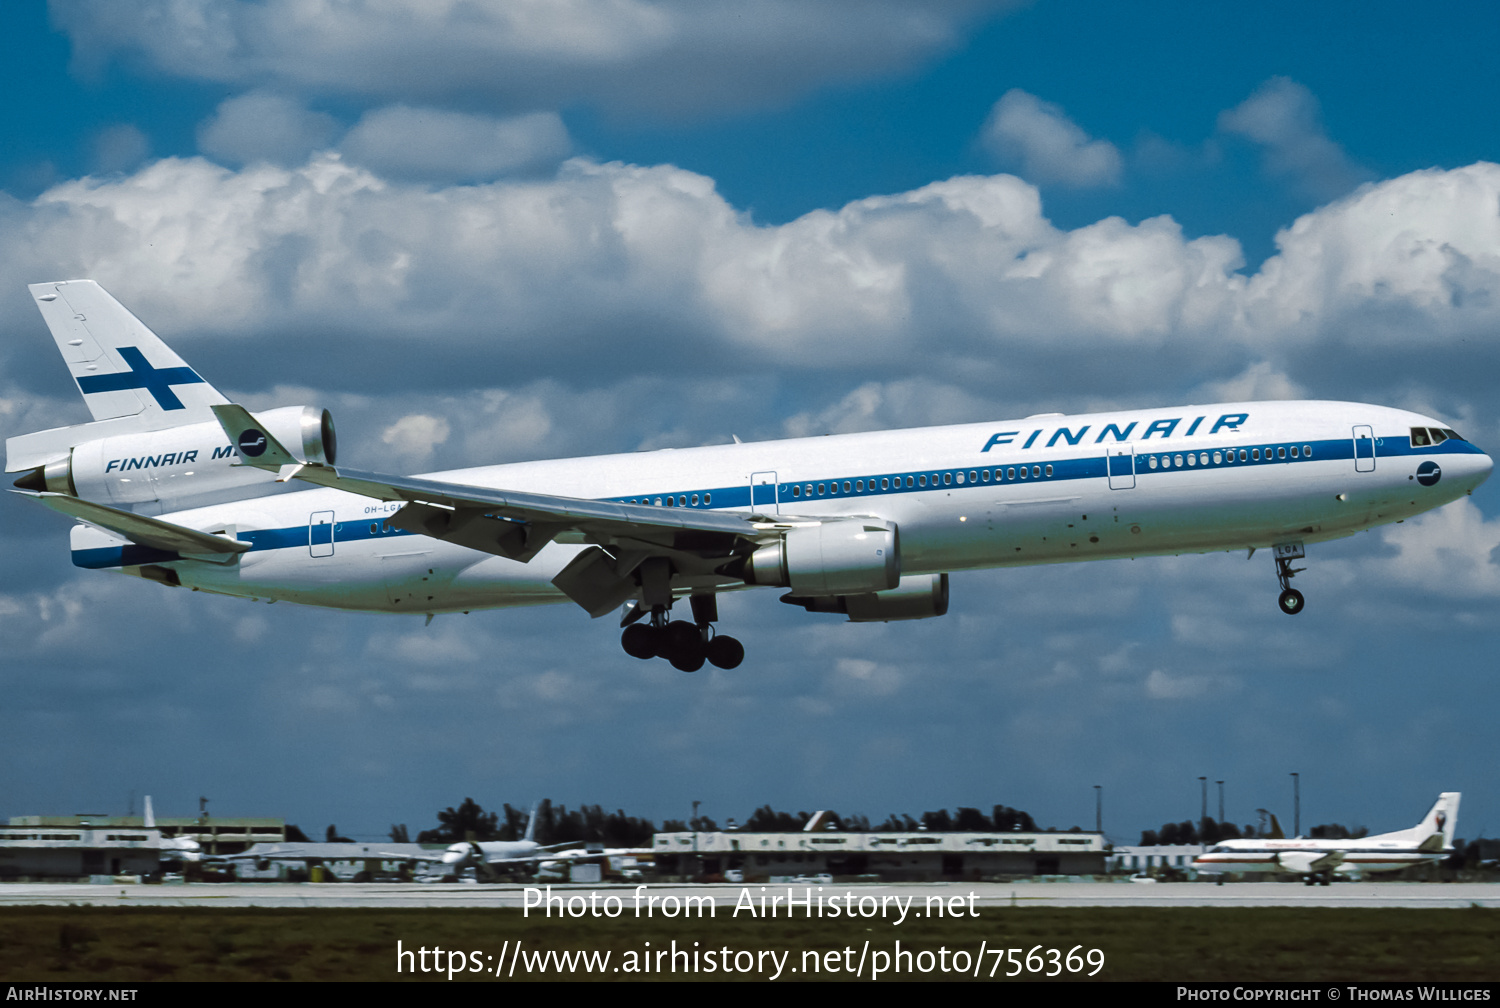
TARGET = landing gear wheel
(640,640)
(1290,601)
(726,652)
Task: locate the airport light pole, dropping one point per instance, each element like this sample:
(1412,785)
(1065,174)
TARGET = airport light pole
(1203,815)
(1221,802)
(1099,809)
(1296,805)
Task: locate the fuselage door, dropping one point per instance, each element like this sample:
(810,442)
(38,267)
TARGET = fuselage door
(320,533)
(1364,449)
(1121,462)
(763,496)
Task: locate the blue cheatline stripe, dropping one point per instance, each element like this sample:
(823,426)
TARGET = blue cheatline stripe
(863,485)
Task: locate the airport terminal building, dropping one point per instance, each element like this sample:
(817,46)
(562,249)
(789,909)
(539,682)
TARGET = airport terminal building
(919,856)
(81,846)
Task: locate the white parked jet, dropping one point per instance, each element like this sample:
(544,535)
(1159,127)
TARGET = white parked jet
(1317,861)
(172,483)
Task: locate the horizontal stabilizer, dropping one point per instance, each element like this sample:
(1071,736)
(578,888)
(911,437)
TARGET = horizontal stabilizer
(137,528)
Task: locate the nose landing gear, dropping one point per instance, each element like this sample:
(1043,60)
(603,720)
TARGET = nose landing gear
(687,645)
(1290,599)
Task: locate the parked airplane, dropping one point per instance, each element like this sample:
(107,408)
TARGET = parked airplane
(180,848)
(173,483)
(1317,861)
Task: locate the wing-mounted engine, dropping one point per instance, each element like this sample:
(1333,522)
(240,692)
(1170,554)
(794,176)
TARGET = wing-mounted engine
(918,596)
(1309,861)
(854,556)
(186,464)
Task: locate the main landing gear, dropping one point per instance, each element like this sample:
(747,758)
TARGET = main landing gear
(686,645)
(1290,599)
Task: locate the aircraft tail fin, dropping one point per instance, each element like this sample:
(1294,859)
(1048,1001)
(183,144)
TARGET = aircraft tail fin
(1435,831)
(531,822)
(149,822)
(122,368)
(1277,833)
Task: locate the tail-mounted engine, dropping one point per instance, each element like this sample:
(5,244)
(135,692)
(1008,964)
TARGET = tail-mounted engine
(174,465)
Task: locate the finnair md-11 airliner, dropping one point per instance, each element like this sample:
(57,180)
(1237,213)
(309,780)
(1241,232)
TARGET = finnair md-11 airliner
(173,483)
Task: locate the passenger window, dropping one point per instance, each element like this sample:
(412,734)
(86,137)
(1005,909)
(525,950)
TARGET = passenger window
(985,475)
(796,491)
(908,481)
(859,485)
(1152,463)
(973,476)
(1255,454)
(1218,458)
(1307,451)
(1192,459)
(885,483)
(1036,470)
(1010,473)
(374,528)
(1023,472)
(1049,470)
(960,479)
(821,489)
(1242,454)
(947,479)
(707,498)
(846,486)
(1294,451)
(695,498)
(1281,453)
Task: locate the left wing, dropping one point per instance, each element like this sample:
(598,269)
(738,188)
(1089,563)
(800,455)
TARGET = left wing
(517,524)
(142,529)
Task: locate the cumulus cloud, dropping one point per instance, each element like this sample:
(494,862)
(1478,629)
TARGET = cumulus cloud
(1284,118)
(120,148)
(415,436)
(432,145)
(1048,146)
(261,126)
(664,56)
(962,283)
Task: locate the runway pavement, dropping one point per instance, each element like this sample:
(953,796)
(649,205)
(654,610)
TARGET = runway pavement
(978,894)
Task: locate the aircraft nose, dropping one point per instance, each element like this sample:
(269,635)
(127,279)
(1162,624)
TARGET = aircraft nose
(455,854)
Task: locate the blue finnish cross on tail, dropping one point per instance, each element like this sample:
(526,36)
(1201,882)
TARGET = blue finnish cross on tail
(157,381)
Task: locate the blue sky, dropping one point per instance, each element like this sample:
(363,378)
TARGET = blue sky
(815,218)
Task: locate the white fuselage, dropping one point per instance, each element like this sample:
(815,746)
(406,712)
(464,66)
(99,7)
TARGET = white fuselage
(1046,489)
(1302,857)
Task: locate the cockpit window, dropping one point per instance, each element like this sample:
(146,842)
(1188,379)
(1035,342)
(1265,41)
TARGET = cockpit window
(1420,438)
(1453,435)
